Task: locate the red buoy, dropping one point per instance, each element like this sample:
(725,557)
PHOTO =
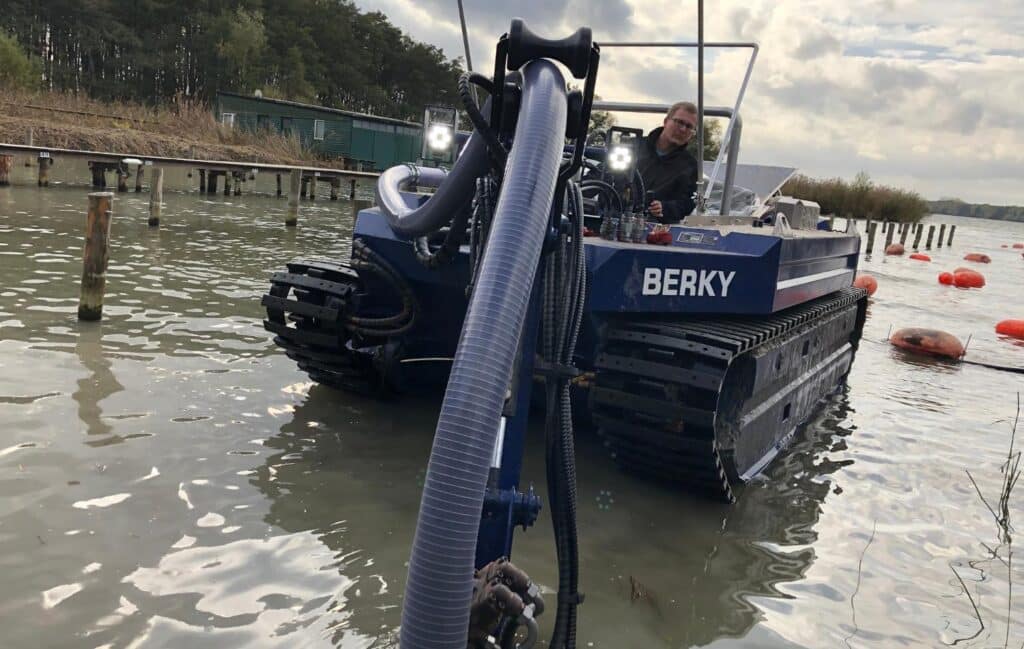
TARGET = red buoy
(1018,246)
(928,341)
(894,249)
(946,278)
(969,279)
(1013,328)
(978,257)
(1004,246)
(920,256)
(866,282)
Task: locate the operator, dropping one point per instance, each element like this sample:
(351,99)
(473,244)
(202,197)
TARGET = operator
(668,169)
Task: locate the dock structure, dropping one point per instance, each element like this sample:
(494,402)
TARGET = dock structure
(102,163)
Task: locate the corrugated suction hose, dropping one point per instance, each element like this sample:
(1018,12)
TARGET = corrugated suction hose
(439,589)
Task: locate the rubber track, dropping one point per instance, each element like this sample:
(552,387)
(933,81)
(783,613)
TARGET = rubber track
(305,310)
(658,381)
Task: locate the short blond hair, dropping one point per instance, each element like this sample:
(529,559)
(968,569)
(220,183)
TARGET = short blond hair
(688,106)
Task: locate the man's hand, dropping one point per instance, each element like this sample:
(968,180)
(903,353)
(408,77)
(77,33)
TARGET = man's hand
(655,208)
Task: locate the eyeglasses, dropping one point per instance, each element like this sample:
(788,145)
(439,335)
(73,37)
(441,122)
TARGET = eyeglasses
(683,124)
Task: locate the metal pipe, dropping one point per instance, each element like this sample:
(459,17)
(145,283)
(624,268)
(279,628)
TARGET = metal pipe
(465,37)
(701,200)
(726,139)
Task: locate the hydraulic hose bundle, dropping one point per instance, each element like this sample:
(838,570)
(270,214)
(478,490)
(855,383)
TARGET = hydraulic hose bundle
(439,589)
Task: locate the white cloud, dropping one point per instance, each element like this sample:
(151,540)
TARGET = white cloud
(917,94)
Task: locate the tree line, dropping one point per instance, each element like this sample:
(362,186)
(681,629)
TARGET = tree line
(957,207)
(320,51)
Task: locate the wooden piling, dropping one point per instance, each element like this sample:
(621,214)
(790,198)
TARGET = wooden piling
(931,234)
(239,179)
(99,175)
(122,180)
(904,233)
(211,181)
(202,180)
(278,184)
(335,183)
(139,174)
(872,228)
(312,187)
(303,184)
(6,162)
(352,190)
(294,187)
(95,256)
(156,196)
(889,234)
(942,234)
(44,162)
(952,229)
(227,183)
(917,236)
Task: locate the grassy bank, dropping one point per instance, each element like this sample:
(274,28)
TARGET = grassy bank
(860,199)
(182,129)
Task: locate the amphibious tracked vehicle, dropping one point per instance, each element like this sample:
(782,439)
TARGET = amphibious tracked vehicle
(694,349)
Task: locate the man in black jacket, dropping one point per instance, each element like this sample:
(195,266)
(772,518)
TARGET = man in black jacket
(668,169)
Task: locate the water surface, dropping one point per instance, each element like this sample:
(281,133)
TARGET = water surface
(168,478)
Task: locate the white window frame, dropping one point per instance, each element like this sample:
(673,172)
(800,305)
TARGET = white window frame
(319,129)
(227,119)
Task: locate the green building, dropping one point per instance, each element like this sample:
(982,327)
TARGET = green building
(366,142)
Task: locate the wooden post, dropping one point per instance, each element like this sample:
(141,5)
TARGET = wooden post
(335,183)
(227,183)
(99,175)
(917,236)
(312,187)
(278,184)
(903,235)
(202,180)
(292,218)
(95,256)
(139,174)
(6,162)
(942,234)
(872,228)
(156,196)
(211,181)
(122,180)
(304,183)
(952,229)
(44,169)
(888,234)
(352,190)
(239,179)
(928,241)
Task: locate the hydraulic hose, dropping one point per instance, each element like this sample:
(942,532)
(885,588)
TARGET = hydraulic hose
(440,583)
(454,189)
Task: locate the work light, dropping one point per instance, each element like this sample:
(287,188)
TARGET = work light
(439,124)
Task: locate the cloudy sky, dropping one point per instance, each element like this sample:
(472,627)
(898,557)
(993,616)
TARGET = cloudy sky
(920,94)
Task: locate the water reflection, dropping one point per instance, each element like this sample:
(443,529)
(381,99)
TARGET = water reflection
(673,570)
(99,384)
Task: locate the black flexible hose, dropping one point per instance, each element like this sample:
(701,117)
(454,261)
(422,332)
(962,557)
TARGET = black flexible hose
(452,240)
(494,147)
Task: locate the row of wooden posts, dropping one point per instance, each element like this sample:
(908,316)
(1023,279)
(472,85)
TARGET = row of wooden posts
(904,230)
(301,185)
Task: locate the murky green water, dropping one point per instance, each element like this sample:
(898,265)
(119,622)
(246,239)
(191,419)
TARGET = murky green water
(169,479)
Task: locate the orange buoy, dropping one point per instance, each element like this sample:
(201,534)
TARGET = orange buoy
(920,256)
(968,279)
(928,341)
(978,257)
(1013,328)
(1004,246)
(866,282)
(1018,246)
(894,249)
(946,278)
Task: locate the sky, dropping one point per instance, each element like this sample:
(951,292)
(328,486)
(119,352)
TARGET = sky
(920,95)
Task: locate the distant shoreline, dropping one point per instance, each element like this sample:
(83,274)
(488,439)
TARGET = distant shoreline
(1013,213)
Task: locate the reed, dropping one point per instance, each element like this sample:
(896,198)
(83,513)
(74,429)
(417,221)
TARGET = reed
(860,199)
